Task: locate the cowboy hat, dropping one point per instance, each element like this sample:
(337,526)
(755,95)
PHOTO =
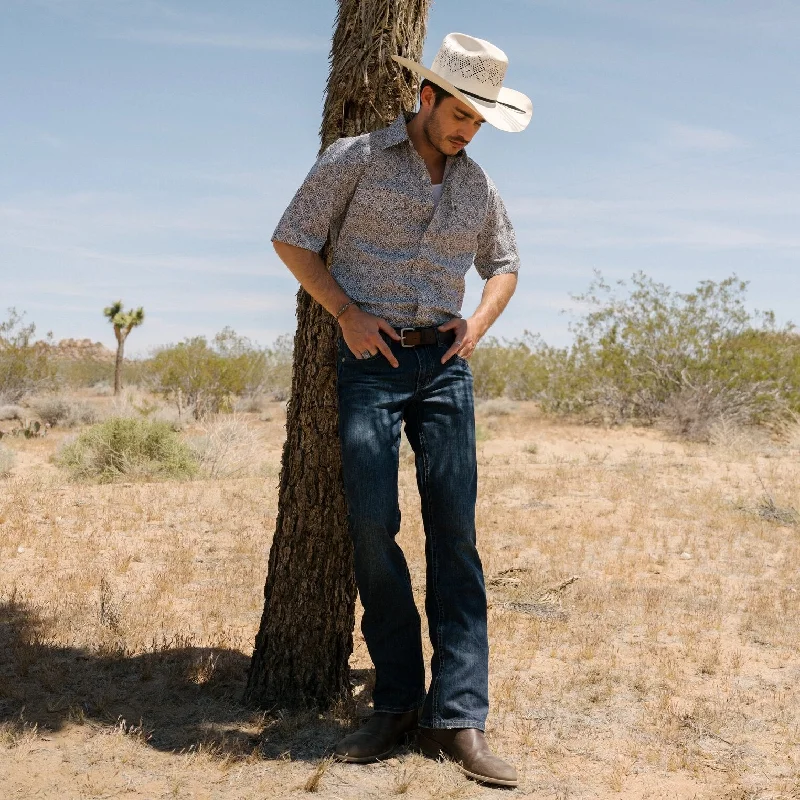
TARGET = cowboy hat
(472,70)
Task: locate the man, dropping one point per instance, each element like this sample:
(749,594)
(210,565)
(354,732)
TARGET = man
(406,213)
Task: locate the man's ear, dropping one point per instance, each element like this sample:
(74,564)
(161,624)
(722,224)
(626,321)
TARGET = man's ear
(427,97)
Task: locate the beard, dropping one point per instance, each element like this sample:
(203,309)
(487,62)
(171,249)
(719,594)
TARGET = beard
(432,128)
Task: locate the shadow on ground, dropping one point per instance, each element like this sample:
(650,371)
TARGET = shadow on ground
(176,697)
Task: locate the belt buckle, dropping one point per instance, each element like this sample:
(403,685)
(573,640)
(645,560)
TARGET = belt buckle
(403,337)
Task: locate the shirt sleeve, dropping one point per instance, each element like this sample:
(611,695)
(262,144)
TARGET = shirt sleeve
(324,195)
(497,252)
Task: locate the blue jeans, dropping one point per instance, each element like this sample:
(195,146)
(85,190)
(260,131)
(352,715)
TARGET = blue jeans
(435,402)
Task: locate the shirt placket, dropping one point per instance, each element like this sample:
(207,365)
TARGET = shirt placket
(426,257)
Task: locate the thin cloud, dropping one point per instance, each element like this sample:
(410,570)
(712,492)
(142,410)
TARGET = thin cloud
(51,141)
(772,18)
(232,41)
(690,219)
(229,302)
(257,266)
(691,137)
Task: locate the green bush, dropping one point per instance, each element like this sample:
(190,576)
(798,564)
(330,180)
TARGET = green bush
(128,447)
(25,365)
(206,378)
(649,354)
(84,372)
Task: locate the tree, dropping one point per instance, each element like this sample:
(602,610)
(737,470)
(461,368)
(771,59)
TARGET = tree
(25,365)
(124,322)
(306,634)
(205,378)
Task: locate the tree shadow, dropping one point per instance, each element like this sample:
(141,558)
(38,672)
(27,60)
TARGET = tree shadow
(175,697)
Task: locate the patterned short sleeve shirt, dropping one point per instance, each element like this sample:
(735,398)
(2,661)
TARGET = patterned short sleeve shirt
(397,253)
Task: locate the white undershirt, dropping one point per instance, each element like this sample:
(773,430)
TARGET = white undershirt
(437,193)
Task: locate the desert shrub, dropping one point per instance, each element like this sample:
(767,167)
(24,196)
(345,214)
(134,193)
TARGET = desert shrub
(83,372)
(527,369)
(648,353)
(492,367)
(496,407)
(12,412)
(638,353)
(137,403)
(128,447)
(694,411)
(51,410)
(227,447)
(207,378)
(56,410)
(25,365)
(251,404)
(277,374)
(81,414)
(520,369)
(7,461)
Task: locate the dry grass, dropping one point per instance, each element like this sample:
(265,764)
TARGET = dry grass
(668,669)
(228,446)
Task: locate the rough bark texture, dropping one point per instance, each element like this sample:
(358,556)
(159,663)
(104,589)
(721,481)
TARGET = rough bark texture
(118,361)
(305,639)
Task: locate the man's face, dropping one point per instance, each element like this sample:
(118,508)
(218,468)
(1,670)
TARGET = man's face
(449,126)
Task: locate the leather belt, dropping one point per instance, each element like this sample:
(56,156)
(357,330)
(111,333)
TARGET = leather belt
(415,337)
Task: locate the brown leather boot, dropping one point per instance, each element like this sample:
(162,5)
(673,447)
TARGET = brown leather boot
(467,747)
(377,738)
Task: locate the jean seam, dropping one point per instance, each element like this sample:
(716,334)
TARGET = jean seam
(435,570)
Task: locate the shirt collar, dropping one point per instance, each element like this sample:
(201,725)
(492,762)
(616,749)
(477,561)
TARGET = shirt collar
(394,134)
(397,133)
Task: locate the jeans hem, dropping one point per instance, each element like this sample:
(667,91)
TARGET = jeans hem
(450,724)
(394,710)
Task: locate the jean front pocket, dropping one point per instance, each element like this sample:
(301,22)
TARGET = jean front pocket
(346,355)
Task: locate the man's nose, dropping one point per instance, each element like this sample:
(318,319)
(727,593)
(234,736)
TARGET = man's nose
(465,132)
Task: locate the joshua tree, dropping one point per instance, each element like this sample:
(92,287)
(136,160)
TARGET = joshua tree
(124,322)
(306,635)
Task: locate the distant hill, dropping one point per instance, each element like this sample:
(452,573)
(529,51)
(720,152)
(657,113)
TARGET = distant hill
(80,350)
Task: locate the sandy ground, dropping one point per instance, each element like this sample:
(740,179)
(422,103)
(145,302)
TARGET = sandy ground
(668,669)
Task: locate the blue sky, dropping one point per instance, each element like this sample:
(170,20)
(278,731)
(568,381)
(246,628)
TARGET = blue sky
(148,148)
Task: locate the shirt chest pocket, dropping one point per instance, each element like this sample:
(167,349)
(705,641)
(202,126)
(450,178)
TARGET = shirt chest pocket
(457,226)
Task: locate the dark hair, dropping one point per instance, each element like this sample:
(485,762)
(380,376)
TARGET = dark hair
(441,94)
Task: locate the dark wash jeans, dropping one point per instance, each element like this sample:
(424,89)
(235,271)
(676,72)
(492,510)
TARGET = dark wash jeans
(435,402)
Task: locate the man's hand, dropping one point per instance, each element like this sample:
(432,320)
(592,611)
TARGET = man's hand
(496,294)
(362,334)
(468,334)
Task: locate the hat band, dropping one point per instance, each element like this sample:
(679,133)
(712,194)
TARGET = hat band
(489,100)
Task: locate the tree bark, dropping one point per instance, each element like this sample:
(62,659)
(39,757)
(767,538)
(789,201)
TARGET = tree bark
(118,361)
(303,646)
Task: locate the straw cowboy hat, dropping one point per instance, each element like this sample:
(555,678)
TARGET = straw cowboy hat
(473,70)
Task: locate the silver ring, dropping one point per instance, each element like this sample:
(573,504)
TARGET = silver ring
(366,354)
(458,343)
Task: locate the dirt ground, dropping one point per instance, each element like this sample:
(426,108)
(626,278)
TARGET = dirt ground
(669,668)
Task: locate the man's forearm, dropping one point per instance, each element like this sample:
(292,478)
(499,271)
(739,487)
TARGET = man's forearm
(496,294)
(309,268)
(361,331)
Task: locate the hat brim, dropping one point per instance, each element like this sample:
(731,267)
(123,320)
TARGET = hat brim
(512,112)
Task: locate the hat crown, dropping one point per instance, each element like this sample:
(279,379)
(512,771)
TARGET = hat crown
(471,65)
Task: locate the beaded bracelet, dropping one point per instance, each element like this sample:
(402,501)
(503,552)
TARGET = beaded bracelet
(343,309)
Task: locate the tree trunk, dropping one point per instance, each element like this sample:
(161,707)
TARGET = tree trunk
(305,639)
(118,361)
